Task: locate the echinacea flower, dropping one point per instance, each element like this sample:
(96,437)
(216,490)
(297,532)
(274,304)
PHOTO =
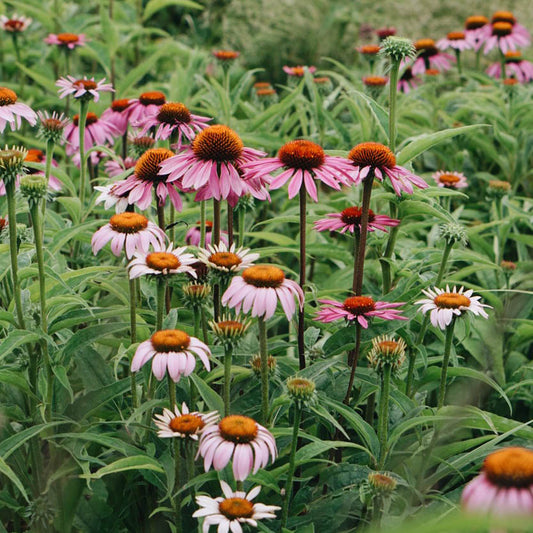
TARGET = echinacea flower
(15,24)
(444,305)
(227,260)
(69,41)
(116,167)
(226,55)
(87,89)
(172,350)
(173,119)
(386,350)
(162,262)
(375,81)
(505,36)
(475,30)
(130,230)
(430,57)
(184,424)
(259,288)
(147,177)
(383,33)
(139,144)
(505,485)
(369,50)
(376,158)
(119,114)
(450,180)
(145,106)
(519,31)
(408,81)
(109,197)
(456,40)
(228,331)
(298,71)
(239,439)
(302,162)
(349,220)
(211,165)
(12,112)
(359,309)
(515,66)
(232,510)
(51,127)
(37,156)
(193,235)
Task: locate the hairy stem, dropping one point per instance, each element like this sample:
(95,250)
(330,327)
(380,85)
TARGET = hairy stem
(384,413)
(227,379)
(301,312)
(445,362)
(263,352)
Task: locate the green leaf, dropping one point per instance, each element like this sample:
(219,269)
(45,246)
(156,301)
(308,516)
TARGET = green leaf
(140,70)
(12,443)
(6,470)
(211,398)
(137,462)
(16,338)
(153,6)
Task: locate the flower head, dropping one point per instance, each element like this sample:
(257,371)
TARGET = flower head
(172,350)
(430,57)
(240,439)
(15,24)
(453,232)
(298,71)
(226,55)
(33,187)
(450,180)
(37,156)
(12,162)
(184,424)
(52,127)
(381,483)
(385,32)
(369,50)
(255,363)
(85,89)
(145,106)
(377,158)
(259,289)
(162,262)
(504,33)
(109,197)
(140,144)
(301,390)
(386,350)
(349,220)
(196,293)
(193,235)
(227,260)
(444,305)
(456,40)
(397,48)
(515,66)
(408,81)
(232,510)
(499,188)
(69,41)
(12,112)
(359,309)
(229,331)
(119,114)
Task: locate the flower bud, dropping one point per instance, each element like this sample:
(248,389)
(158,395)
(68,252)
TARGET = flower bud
(228,331)
(381,484)
(255,363)
(453,233)
(387,351)
(397,48)
(12,162)
(301,390)
(196,293)
(498,188)
(33,187)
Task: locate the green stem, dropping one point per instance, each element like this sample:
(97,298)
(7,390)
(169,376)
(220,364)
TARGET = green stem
(503,66)
(292,465)
(411,370)
(84,106)
(215,241)
(354,362)
(393,93)
(161,215)
(384,413)
(47,170)
(205,336)
(227,379)
(230,224)
(391,243)
(177,484)
(458,58)
(161,288)
(133,337)
(263,352)
(367,192)
(202,224)
(445,362)
(171,392)
(356,242)
(242,220)
(301,312)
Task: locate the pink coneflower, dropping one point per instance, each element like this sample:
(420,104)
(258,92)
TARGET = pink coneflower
(475,30)
(212,164)
(110,198)
(408,81)
(162,262)
(51,127)
(359,309)
(119,114)
(37,156)
(375,81)
(97,131)
(130,230)
(12,112)
(82,88)
(430,57)
(456,40)
(369,51)
(505,36)
(298,71)
(515,66)
(377,158)
(145,106)
(226,55)
(383,33)
(68,41)
(193,235)
(227,260)
(146,178)
(115,167)
(15,24)
(518,29)
(232,510)
(259,289)
(240,439)
(505,485)
(444,305)
(302,162)
(350,218)
(450,180)
(174,119)
(172,350)
(184,424)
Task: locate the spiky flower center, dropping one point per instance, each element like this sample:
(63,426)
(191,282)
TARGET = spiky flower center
(208,225)
(388,346)
(128,222)
(53,124)
(510,467)
(382,482)
(189,424)
(265,92)
(170,340)
(225,259)
(301,388)
(238,429)
(503,16)
(322,80)
(475,22)
(372,154)
(7,96)
(408,74)
(226,55)
(261,85)
(162,261)
(13,155)
(91,118)
(513,56)
(152,98)
(301,154)
(34,156)
(120,105)
(500,185)
(88,85)
(502,29)
(218,143)
(451,300)
(143,142)
(359,305)
(449,180)
(263,276)
(370,49)
(147,168)
(352,215)
(235,508)
(426,47)
(375,81)
(174,113)
(297,71)
(456,36)
(230,327)
(67,38)
(14,25)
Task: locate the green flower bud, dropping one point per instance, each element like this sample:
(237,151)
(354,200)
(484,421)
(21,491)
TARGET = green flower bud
(397,48)
(498,188)
(454,232)
(255,363)
(301,390)
(196,293)
(387,351)
(381,484)
(12,162)
(33,187)
(229,331)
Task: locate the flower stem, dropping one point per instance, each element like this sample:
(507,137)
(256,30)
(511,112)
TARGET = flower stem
(389,249)
(161,288)
(367,192)
(202,224)
(393,93)
(133,336)
(301,312)
(161,215)
(292,464)
(177,484)
(445,362)
(47,170)
(263,352)
(215,240)
(84,106)
(354,362)
(384,413)
(503,66)
(356,243)
(227,379)
(242,220)
(171,392)
(458,57)
(230,225)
